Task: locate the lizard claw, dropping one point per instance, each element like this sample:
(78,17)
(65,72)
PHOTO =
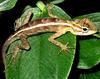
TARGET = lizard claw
(66,47)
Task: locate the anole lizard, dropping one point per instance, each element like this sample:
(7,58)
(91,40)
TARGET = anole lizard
(82,27)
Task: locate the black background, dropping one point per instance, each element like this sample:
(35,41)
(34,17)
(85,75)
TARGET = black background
(72,7)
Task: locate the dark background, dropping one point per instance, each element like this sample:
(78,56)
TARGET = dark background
(72,7)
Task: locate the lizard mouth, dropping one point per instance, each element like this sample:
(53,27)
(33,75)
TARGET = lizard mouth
(87,33)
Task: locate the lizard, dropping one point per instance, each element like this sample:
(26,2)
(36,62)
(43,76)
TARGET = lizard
(81,27)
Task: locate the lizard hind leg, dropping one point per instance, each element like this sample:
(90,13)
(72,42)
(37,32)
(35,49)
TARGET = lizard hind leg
(24,42)
(24,46)
(21,21)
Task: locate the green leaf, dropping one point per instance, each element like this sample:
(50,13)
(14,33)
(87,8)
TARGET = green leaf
(58,12)
(55,1)
(89,53)
(91,75)
(44,60)
(7,4)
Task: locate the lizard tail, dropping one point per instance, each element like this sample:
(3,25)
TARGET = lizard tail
(6,46)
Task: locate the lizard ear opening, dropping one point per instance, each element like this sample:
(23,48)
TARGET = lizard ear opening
(77,21)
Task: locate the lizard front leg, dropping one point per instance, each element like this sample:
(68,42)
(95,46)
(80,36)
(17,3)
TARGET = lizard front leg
(59,44)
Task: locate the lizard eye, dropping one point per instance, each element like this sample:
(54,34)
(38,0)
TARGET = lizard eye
(85,29)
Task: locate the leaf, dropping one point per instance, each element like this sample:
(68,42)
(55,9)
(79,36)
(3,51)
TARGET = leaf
(88,60)
(44,60)
(55,1)
(91,75)
(7,4)
(58,12)
(89,53)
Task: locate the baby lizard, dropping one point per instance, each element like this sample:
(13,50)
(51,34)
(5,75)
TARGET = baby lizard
(77,27)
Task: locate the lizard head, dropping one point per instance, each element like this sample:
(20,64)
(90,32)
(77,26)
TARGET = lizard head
(83,27)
